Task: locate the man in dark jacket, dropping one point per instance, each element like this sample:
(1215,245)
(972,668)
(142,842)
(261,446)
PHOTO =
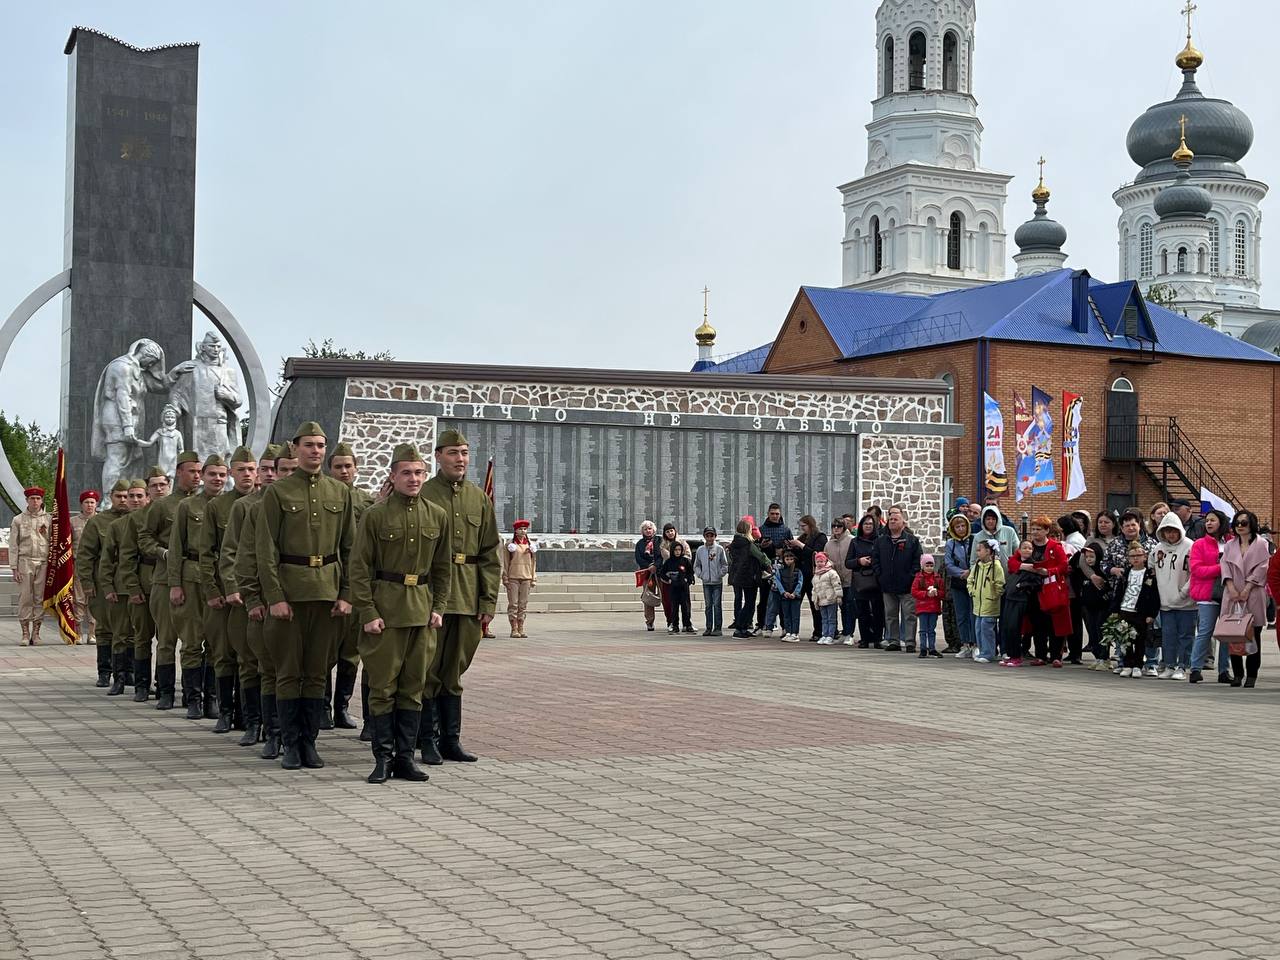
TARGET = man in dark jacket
(774,530)
(896,562)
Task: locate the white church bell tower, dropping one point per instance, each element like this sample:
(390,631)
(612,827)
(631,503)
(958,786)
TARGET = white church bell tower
(925,216)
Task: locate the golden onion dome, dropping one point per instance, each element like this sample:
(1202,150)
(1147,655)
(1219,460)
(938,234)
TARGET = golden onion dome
(705,334)
(1190,58)
(1041,193)
(1183,154)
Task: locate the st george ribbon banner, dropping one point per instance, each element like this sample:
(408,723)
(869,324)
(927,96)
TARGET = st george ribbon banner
(994,476)
(1072,467)
(58,593)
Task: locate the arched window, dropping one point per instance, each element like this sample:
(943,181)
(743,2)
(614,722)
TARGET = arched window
(1145,236)
(1242,250)
(1202,261)
(950,62)
(1122,385)
(1215,245)
(1164,262)
(877,246)
(915,61)
(1182,259)
(953,241)
(887,84)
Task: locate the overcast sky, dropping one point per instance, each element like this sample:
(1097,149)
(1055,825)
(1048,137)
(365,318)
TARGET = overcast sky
(554,183)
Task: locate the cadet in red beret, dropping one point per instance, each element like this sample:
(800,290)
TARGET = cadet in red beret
(28,559)
(519,575)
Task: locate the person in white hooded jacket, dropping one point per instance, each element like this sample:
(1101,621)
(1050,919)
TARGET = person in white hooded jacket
(1171,560)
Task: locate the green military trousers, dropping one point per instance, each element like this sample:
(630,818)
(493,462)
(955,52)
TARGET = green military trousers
(102,616)
(218,642)
(300,649)
(189,621)
(455,646)
(144,629)
(121,626)
(256,633)
(238,638)
(347,646)
(396,662)
(166,629)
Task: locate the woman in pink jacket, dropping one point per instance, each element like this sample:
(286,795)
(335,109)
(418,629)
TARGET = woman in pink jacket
(1206,591)
(1244,575)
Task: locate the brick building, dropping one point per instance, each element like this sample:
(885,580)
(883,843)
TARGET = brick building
(1169,404)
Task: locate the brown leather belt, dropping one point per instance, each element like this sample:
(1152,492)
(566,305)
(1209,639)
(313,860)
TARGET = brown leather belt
(297,561)
(408,579)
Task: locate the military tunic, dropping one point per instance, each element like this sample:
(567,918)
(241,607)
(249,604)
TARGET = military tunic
(217,621)
(153,544)
(29,556)
(183,570)
(111,581)
(398,537)
(137,574)
(238,615)
(88,562)
(246,574)
(473,586)
(303,542)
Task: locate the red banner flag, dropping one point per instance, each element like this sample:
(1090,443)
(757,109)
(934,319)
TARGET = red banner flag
(58,580)
(488,481)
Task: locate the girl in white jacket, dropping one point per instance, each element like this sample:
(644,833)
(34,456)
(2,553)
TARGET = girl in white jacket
(827,594)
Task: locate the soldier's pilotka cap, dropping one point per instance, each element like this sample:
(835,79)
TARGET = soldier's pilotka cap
(451,438)
(122,486)
(242,455)
(137,484)
(157,472)
(188,456)
(343,449)
(309,429)
(214,461)
(271,452)
(405,453)
(287,452)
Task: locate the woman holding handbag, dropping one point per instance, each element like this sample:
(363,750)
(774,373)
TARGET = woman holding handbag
(1244,575)
(1049,609)
(861,560)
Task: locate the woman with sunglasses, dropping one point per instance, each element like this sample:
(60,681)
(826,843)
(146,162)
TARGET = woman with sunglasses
(1244,576)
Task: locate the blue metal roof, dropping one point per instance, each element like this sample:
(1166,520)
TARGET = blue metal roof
(750,362)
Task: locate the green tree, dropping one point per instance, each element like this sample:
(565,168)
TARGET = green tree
(32,453)
(1162,295)
(326,350)
(1210,319)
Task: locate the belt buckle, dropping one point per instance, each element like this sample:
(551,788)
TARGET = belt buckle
(410,579)
(459,558)
(315,561)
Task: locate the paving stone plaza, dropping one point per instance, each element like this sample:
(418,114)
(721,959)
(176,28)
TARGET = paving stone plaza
(648,796)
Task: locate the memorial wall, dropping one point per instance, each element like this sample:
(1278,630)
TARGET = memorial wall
(586,455)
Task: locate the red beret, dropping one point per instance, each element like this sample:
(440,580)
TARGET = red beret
(520,524)
(93,495)
(33,492)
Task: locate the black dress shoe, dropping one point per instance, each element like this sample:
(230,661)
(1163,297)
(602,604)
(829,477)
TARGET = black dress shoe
(1224,678)
(1250,681)
(1236,682)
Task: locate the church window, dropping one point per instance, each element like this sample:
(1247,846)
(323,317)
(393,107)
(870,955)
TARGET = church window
(1145,236)
(953,241)
(877,245)
(915,61)
(1182,259)
(1215,242)
(1202,262)
(1242,259)
(1164,262)
(950,62)
(887,87)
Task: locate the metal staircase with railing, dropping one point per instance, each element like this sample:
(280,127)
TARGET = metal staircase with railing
(1163,449)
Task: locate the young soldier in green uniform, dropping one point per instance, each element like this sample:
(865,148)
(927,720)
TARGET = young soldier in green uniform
(111,574)
(137,573)
(88,569)
(153,545)
(237,615)
(473,593)
(217,612)
(281,462)
(186,594)
(343,466)
(400,572)
(303,543)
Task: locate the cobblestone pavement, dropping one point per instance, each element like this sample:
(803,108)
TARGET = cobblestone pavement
(647,796)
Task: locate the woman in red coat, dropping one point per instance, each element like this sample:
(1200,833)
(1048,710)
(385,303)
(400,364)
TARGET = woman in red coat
(1049,560)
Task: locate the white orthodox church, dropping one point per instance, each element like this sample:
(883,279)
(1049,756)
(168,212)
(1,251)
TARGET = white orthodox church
(926,216)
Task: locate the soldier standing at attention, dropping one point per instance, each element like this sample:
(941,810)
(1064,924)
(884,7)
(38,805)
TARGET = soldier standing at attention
(153,545)
(28,561)
(187,596)
(89,569)
(137,579)
(400,572)
(345,655)
(84,616)
(244,473)
(304,545)
(112,582)
(217,611)
(281,462)
(473,594)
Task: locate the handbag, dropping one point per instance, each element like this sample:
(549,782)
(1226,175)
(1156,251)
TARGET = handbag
(865,580)
(1054,594)
(649,594)
(1235,629)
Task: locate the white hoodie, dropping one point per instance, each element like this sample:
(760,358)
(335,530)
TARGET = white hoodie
(1171,562)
